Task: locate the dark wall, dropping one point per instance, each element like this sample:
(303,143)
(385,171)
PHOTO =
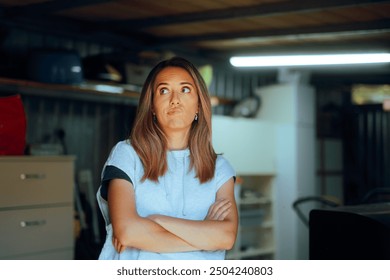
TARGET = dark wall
(366,141)
(90,129)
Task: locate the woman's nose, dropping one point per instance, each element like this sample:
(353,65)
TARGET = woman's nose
(175,100)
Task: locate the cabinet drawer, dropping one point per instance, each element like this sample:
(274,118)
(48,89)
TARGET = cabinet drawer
(35,230)
(33,183)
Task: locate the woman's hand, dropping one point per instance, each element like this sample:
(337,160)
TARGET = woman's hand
(219,210)
(117,245)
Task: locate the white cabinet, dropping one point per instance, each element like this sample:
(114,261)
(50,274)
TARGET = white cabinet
(36,207)
(278,144)
(249,145)
(290,107)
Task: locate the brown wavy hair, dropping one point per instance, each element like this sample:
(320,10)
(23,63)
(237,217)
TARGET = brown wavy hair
(149,140)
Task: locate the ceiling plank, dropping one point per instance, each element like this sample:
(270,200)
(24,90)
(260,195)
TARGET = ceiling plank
(383,24)
(49,7)
(268,9)
(381,42)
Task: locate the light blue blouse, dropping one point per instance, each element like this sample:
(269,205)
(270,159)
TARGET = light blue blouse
(177,194)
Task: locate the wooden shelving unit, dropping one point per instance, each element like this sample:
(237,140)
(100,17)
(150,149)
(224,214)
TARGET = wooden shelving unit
(89,91)
(255,239)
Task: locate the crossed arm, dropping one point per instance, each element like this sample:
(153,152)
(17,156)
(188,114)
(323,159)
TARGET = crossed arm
(158,233)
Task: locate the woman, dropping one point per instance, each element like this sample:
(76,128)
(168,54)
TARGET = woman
(165,193)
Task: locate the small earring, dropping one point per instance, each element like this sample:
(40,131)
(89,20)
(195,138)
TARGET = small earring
(154,117)
(196,116)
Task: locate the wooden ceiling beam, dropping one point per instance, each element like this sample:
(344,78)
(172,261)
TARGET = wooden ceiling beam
(49,7)
(261,10)
(382,25)
(299,47)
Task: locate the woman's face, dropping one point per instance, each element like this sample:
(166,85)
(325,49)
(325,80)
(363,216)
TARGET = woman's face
(175,100)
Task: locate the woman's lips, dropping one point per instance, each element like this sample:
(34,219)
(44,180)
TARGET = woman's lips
(174,111)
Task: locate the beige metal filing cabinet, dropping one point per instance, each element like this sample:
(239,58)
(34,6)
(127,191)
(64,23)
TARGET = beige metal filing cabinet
(36,207)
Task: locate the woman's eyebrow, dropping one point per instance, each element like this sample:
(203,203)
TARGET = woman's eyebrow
(162,84)
(186,83)
(181,83)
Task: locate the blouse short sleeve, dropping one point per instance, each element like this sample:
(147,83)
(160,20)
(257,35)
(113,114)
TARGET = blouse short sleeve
(124,157)
(120,164)
(224,171)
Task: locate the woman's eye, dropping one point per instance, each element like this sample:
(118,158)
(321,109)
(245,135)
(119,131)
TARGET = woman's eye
(164,91)
(186,90)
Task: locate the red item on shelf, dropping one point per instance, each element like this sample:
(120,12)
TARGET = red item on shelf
(13,125)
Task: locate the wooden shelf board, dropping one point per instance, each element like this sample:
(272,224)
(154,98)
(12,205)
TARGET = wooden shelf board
(79,92)
(88,91)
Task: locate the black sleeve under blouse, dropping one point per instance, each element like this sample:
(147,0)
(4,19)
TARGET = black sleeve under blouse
(111,172)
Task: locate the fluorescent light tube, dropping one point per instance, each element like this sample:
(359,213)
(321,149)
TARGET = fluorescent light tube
(309,60)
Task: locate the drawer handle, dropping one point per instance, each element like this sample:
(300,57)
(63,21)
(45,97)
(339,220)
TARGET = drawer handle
(25,176)
(32,223)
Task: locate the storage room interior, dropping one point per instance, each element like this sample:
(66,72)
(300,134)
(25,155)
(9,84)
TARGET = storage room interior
(299,137)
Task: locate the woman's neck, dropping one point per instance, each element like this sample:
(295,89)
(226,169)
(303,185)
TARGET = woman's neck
(177,140)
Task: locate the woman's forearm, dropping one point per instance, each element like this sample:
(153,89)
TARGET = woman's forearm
(131,230)
(144,234)
(205,235)
(219,229)
(159,233)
